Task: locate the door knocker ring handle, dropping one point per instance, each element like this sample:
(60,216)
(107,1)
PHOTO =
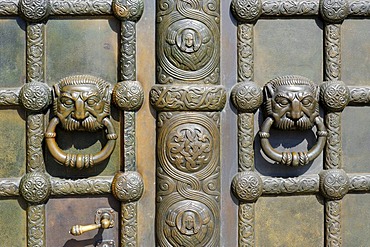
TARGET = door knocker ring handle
(292,158)
(80,160)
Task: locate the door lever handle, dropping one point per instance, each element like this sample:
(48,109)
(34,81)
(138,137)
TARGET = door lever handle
(103,220)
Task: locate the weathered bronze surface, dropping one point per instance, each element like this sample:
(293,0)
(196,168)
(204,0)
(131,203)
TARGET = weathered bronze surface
(81,103)
(292,104)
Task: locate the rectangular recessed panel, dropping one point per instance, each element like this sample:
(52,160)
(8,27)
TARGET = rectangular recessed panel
(13,52)
(356,139)
(63,213)
(82,47)
(12,143)
(288,47)
(356,220)
(13,223)
(355,52)
(296,221)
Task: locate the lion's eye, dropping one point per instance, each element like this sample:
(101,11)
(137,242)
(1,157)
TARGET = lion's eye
(282,101)
(92,101)
(307,101)
(66,101)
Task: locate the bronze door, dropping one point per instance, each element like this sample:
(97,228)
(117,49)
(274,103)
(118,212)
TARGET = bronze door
(184,123)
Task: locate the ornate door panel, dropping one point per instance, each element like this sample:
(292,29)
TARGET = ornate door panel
(247,128)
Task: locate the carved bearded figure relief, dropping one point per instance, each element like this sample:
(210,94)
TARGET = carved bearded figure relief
(291,103)
(81,103)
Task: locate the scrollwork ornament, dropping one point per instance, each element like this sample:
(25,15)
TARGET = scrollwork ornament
(35,187)
(246,10)
(128,186)
(334,183)
(246,96)
(247,186)
(335,95)
(34,10)
(334,11)
(128,10)
(35,96)
(128,95)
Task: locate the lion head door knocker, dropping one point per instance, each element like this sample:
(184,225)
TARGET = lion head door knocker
(291,103)
(81,103)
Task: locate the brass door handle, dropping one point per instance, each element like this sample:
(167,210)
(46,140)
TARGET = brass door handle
(104,219)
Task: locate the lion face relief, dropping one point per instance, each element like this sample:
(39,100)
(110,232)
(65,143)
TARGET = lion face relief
(292,101)
(81,102)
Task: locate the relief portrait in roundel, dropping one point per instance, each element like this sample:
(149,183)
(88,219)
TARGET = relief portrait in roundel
(188,45)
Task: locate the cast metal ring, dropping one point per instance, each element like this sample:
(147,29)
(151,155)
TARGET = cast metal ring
(293,158)
(80,160)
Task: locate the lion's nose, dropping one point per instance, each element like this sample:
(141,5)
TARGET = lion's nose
(296,111)
(80,112)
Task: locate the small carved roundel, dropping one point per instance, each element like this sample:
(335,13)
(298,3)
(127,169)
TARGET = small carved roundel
(34,10)
(35,96)
(247,186)
(335,95)
(334,184)
(128,186)
(128,95)
(35,187)
(246,96)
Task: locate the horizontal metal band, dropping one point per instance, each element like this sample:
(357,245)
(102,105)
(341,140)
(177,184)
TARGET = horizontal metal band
(359,182)
(88,186)
(188,98)
(78,7)
(9,96)
(359,95)
(308,184)
(9,187)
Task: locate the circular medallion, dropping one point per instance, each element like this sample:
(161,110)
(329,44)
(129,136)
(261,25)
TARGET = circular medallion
(334,183)
(35,187)
(128,186)
(128,95)
(247,186)
(34,10)
(334,95)
(189,222)
(35,96)
(246,96)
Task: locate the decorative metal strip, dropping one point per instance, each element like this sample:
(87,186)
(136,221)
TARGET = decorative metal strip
(302,185)
(36,225)
(9,97)
(188,98)
(8,7)
(88,186)
(35,52)
(128,51)
(246,224)
(245,52)
(188,181)
(333,157)
(333,55)
(9,187)
(129,224)
(359,95)
(81,7)
(359,182)
(359,7)
(333,227)
(245,142)
(188,142)
(290,8)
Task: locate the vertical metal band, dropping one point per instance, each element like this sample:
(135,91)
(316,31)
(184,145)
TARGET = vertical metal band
(128,73)
(246,224)
(188,141)
(35,131)
(245,52)
(333,154)
(36,225)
